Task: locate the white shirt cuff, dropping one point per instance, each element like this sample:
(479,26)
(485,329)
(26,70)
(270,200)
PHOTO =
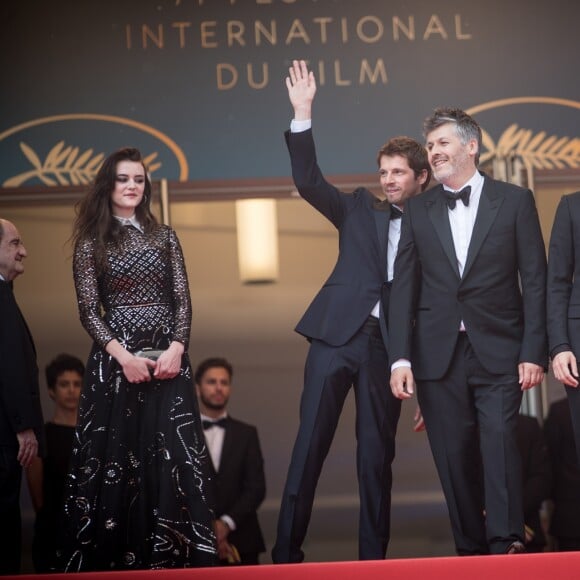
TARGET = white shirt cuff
(402,362)
(227,520)
(300,126)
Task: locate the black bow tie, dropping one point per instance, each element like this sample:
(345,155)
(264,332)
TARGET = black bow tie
(396,213)
(453,196)
(218,423)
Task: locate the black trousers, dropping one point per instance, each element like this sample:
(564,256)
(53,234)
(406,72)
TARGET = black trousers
(573,394)
(10,519)
(330,372)
(471,420)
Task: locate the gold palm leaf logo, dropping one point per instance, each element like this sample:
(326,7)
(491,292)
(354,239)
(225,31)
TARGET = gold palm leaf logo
(539,150)
(66,165)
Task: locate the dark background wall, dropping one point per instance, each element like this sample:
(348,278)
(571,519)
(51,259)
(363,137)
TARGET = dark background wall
(202,80)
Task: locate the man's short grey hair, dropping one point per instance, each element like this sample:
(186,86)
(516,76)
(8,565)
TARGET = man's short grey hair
(466,126)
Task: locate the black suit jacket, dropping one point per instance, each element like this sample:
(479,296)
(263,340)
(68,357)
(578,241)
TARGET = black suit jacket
(358,279)
(240,485)
(563,288)
(20,407)
(505,325)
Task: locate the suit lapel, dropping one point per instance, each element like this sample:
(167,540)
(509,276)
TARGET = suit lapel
(7,287)
(437,211)
(382,227)
(489,204)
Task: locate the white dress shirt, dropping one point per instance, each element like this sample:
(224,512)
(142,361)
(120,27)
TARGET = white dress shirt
(392,247)
(214,440)
(462,220)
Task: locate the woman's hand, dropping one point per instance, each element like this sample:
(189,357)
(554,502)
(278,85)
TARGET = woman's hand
(137,369)
(169,363)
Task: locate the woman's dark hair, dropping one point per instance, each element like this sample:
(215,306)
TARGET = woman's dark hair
(94,212)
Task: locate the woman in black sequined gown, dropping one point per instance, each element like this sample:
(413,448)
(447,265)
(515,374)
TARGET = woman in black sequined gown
(137,490)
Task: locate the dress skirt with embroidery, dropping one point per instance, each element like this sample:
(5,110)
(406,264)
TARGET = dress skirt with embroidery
(137,490)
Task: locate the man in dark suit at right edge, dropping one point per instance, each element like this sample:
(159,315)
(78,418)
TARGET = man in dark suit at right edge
(474,338)
(564,302)
(21,422)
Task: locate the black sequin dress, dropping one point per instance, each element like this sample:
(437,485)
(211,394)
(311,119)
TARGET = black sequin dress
(136,494)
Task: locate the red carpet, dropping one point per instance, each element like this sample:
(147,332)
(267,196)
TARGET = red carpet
(547,566)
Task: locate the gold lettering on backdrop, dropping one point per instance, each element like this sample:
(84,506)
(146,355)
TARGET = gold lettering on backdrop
(243,33)
(181,26)
(337,76)
(207,32)
(297,30)
(229,76)
(367,74)
(271,34)
(380,29)
(146,33)
(344,29)
(222,71)
(458,29)
(369,29)
(236,31)
(408,31)
(323,22)
(321,73)
(372,75)
(251,82)
(435,26)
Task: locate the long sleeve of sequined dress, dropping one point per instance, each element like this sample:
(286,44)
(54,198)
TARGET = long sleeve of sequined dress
(137,489)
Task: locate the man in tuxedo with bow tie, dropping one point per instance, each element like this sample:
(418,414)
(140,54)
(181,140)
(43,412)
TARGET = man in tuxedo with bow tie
(21,422)
(239,484)
(346,328)
(467,315)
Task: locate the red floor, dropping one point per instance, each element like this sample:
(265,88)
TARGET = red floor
(547,566)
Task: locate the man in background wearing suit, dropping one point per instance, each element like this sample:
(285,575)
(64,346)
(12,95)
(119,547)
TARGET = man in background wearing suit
(347,331)
(21,423)
(474,337)
(564,302)
(238,468)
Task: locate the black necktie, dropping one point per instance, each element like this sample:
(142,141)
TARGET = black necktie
(453,196)
(218,423)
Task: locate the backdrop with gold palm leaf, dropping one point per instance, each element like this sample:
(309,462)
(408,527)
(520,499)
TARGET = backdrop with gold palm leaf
(198,85)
